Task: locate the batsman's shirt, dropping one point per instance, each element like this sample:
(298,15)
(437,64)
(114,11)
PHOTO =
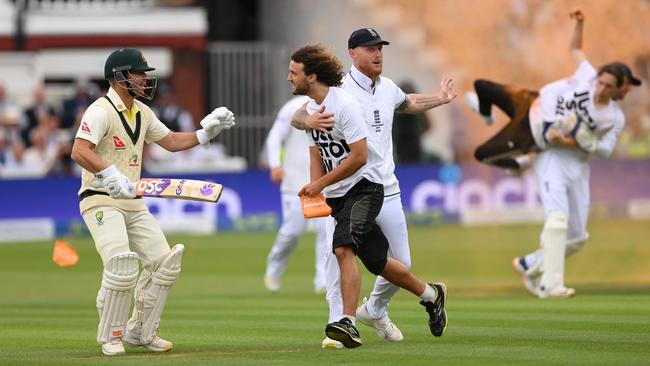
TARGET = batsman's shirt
(119,140)
(349,127)
(296,147)
(576,95)
(379,104)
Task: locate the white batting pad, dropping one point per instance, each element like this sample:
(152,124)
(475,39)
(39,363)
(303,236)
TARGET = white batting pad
(553,243)
(114,297)
(151,295)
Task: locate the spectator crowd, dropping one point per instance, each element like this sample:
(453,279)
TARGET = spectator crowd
(35,141)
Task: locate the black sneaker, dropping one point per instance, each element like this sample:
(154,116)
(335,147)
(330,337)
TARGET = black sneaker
(436,309)
(345,332)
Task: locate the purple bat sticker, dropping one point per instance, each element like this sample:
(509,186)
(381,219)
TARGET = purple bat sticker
(207,189)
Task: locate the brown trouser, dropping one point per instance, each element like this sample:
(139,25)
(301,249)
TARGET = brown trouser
(516,137)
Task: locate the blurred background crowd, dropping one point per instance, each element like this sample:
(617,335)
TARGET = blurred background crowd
(234,53)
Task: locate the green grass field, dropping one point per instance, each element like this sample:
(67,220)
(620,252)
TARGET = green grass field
(219,312)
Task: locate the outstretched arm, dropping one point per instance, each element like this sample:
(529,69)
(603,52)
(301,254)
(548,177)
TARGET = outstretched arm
(218,120)
(178,141)
(415,103)
(577,53)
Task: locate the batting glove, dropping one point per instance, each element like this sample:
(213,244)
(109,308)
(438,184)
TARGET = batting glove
(218,120)
(117,185)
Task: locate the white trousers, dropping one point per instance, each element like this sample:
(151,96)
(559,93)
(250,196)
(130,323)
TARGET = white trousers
(293,226)
(392,222)
(563,185)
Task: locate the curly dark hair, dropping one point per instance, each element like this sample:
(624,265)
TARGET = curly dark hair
(317,59)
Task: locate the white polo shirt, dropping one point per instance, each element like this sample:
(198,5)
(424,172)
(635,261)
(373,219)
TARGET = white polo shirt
(379,103)
(349,127)
(296,147)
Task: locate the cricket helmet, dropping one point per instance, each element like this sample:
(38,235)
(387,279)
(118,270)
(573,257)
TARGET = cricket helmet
(120,63)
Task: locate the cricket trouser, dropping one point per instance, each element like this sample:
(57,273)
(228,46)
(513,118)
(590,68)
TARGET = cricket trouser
(563,186)
(392,222)
(293,226)
(117,231)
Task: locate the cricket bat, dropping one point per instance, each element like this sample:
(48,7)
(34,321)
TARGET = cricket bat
(185,189)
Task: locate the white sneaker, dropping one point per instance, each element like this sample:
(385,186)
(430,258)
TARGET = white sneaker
(272,283)
(113,347)
(530,283)
(156,345)
(558,291)
(471,99)
(330,343)
(384,327)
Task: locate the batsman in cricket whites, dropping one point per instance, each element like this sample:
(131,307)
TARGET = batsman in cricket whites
(108,146)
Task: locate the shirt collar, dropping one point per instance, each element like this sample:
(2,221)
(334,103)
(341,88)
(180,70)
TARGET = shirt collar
(363,81)
(117,101)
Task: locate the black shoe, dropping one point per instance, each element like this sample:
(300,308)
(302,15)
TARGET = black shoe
(436,310)
(345,332)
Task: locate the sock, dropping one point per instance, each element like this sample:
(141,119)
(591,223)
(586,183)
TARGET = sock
(352,319)
(429,294)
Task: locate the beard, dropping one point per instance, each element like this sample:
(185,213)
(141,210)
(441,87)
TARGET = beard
(371,70)
(301,88)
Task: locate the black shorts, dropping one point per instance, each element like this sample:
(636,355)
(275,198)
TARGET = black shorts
(355,215)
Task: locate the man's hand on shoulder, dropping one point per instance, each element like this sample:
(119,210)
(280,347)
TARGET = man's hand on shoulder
(319,121)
